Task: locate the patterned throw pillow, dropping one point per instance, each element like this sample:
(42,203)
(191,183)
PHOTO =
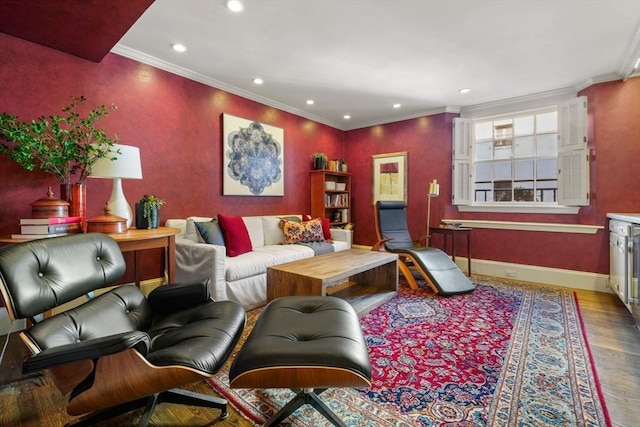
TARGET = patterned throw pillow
(303,232)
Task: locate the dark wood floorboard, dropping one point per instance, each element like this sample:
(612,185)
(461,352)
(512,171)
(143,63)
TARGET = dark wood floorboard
(611,332)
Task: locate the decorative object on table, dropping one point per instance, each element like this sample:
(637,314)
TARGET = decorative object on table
(390,177)
(49,207)
(64,145)
(148,212)
(107,223)
(434,191)
(125,164)
(254,158)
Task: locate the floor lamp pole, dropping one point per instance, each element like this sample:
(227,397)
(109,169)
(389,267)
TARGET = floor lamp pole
(434,191)
(428,222)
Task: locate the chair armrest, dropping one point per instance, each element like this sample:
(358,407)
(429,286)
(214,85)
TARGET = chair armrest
(89,349)
(379,245)
(177,296)
(194,261)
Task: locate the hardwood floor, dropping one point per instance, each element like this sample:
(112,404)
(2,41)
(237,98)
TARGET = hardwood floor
(611,332)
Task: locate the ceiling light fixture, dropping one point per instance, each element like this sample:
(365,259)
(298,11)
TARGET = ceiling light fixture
(258,81)
(346,117)
(310,102)
(179,47)
(465,90)
(397,105)
(235,5)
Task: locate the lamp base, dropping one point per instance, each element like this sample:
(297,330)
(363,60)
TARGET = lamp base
(118,203)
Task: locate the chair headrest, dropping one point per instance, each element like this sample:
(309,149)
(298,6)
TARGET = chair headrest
(390,205)
(39,275)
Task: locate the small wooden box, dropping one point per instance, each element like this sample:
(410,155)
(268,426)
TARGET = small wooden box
(107,224)
(49,207)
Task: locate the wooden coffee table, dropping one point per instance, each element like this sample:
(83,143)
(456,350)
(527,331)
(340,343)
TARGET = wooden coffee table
(366,279)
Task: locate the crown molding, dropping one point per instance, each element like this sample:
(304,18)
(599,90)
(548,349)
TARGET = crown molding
(630,56)
(136,55)
(425,113)
(519,103)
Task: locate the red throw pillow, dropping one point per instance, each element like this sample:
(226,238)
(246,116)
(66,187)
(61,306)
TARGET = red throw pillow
(235,235)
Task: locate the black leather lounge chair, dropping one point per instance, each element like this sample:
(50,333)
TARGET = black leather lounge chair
(435,266)
(118,351)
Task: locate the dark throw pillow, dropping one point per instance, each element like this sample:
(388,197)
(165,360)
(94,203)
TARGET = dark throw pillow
(210,232)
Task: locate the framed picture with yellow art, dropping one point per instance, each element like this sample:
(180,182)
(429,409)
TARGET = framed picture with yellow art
(390,177)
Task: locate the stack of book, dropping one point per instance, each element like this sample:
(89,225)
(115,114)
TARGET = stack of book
(39,228)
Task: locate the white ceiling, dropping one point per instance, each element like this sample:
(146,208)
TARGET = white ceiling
(359,57)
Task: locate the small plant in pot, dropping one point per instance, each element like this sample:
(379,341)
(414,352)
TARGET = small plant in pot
(148,211)
(319,161)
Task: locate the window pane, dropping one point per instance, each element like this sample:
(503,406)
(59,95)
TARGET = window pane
(501,171)
(547,122)
(484,131)
(546,169)
(483,172)
(547,144)
(483,192)
(524,146)
(523,126)
(524,170)
(523,191)
(502,149)
(483,150)
(502,191)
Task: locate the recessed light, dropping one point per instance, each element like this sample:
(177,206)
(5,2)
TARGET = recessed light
(179,47)
(397,105)
(310,102)
(346,117)
(235,5)
(464,90)
(258,81)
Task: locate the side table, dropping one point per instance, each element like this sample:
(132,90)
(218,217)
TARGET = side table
(453,231)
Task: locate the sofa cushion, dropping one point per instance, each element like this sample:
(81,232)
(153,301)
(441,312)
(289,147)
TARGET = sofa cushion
(236,236)
(254,228)
(190,232)
(273,234)
(210,232)
(307,231)
(256,262)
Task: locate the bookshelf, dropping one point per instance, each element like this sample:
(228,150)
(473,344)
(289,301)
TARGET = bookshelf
(331,196)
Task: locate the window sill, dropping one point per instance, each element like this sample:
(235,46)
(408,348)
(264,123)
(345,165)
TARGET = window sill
(520,209)
(528,226)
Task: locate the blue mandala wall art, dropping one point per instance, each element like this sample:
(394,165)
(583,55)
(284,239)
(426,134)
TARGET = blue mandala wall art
(253,158)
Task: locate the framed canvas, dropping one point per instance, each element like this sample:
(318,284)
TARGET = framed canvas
(253,156)
(390,177)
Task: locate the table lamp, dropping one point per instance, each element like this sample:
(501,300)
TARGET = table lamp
(125,166)
(434,191)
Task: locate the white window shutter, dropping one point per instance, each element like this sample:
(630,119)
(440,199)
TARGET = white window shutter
(461,162)
(573,153)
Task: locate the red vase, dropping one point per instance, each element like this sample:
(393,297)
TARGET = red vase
(78,204)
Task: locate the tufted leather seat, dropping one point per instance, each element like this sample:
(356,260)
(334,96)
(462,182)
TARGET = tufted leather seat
(119,350)
(303,342)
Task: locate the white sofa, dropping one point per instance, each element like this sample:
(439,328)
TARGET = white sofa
(242,278)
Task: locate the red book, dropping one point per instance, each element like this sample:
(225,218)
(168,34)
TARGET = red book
(50,221)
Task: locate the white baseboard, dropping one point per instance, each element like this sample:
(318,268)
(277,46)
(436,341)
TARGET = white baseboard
(531,273)
(545,275)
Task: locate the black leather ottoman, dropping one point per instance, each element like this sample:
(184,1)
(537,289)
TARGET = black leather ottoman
(308,344)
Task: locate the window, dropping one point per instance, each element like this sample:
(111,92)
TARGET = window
(536,158)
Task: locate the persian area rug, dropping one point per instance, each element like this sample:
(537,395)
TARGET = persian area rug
(505,355)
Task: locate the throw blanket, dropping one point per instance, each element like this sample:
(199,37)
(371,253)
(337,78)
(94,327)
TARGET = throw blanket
(319,248)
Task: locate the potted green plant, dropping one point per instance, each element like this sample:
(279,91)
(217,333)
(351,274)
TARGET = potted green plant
(62,145)
(319,161)
(148,211)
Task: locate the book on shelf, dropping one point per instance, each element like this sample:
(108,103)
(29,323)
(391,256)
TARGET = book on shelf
(50,221)
(72,227)
(37,236)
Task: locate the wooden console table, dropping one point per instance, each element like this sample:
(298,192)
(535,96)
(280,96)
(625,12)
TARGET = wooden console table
(453,231)
(139,240)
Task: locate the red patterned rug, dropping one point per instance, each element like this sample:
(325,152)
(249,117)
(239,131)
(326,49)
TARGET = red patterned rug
(504,355)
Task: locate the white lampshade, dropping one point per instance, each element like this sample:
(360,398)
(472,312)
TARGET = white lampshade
(126,165)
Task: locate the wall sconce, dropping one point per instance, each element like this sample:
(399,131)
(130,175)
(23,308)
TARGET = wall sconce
(125,166)
(434,191)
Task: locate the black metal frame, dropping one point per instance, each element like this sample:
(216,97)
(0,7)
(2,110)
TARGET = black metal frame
(307,396)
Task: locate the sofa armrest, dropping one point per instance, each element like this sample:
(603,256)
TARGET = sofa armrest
(195,261)
(342,235)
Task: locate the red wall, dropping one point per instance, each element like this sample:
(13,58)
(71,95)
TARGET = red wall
(174,121)
(177,125)
(614,139)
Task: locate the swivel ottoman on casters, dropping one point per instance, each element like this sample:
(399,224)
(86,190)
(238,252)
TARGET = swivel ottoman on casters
(307,344)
